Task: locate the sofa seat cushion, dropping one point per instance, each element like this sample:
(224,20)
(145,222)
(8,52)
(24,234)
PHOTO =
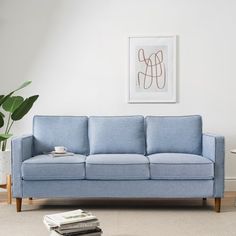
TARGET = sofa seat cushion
(46,167)
(180,166)
(117,167)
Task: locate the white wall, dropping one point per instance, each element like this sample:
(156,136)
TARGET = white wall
(75,52)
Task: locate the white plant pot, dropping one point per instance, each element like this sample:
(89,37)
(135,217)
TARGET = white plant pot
(5,165)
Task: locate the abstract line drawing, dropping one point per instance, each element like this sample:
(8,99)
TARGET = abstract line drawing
(154,70)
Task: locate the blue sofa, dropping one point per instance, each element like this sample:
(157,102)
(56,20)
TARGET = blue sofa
(119,157)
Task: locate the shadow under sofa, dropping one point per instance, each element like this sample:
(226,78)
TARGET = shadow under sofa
(119,157)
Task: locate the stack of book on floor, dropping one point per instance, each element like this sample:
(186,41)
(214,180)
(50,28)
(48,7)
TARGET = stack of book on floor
(73,223)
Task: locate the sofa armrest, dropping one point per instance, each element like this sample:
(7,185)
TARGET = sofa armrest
(21,149)
(213,148)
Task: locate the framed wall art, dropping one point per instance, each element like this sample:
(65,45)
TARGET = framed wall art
(152,69)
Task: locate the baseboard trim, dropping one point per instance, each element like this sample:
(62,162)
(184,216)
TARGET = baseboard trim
(230,183)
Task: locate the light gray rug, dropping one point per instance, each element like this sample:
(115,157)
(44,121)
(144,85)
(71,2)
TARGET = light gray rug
(126,219)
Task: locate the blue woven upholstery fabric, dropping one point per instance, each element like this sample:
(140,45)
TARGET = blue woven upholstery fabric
(214,149)
(21,150)
(117,166)
(68,131)
(46,167)
(180,166)
(165,134)
(119,189)
(118,134)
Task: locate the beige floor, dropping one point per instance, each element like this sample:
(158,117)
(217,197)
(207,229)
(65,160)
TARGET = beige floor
(127,218)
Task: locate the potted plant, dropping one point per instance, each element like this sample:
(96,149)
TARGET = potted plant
(12,109)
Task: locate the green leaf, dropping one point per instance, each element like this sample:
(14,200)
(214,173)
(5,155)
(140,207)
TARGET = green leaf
(1,119)
(1,122)
(26,83)
(2,115)
(12,103)
(24,108)
(3,99)
(4,137)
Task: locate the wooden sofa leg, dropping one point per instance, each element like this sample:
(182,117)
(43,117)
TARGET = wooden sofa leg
(18,204)
(217,204)
(204,201)
(9,193)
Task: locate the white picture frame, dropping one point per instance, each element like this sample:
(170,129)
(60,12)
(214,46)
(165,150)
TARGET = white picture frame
(152,69)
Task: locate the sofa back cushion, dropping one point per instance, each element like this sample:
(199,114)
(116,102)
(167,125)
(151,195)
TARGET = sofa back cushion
(180,134)
(121,134)
(68,131)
